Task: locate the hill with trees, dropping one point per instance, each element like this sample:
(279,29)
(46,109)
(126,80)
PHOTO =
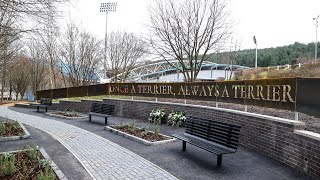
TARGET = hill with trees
(290,54)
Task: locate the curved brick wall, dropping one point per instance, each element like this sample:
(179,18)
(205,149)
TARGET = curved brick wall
(282,139)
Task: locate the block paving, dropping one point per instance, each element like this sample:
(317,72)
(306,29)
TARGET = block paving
(102,158)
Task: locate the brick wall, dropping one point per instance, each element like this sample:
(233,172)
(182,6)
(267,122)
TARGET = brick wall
(283,140)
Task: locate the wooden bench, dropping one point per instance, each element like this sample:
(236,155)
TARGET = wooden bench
(102,110)
(44,103)
(215,137)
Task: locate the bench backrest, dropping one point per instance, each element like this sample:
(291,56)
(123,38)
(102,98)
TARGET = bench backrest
(222,133)
(102,108)
(46,101)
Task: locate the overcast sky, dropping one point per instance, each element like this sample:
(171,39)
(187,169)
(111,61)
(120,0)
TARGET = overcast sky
(273,22)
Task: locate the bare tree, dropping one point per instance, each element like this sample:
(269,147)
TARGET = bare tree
(26,15)
(20,75)
(124,51)
(7,50)
(16,18)
(81,56)
(38,65)
(188,30)
(30,10)
(49,37)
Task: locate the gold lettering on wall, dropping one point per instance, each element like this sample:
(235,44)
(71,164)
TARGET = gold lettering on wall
(209,91)
(210,88)
(217,91)
(181,91)
(250,93)
(235,87)
(250,90)
(133,90)
(259,92)
(170,91)
(202,92)
(194,90)
(225,92)
(268,92)
(243,89)
(276,92)
(187,93)
(286,93)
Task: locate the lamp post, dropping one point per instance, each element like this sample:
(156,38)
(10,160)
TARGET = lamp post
(316,44)
(255,42)
(105,8)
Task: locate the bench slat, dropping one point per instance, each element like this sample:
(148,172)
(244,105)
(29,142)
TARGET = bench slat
(217,140)
(100,115)
(102,110)
(204,145)
(219,132)
(212,128)
(213,136)
(214,125)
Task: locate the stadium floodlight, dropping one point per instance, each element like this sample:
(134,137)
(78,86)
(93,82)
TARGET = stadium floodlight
(105,8)
(108,7)
(316,43)
(255,42)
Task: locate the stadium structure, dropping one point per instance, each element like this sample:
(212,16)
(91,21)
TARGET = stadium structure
(164,71)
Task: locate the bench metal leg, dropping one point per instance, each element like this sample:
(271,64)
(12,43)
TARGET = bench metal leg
(219,160)
(89,117)
(105,120)
(37,108)
(184,145)
(46,109)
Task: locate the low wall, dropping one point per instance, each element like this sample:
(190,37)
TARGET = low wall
(283,140)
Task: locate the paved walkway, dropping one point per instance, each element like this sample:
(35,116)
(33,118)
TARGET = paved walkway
(102,158)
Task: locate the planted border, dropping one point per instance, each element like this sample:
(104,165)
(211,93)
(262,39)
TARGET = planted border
(12,138)
(138,139)
(53,114)
(59,174)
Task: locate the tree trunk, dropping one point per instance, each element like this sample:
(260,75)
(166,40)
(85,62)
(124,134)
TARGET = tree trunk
(22,95)
(10,91)
(4,70)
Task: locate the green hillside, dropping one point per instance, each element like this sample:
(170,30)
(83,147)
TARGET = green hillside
(291,54)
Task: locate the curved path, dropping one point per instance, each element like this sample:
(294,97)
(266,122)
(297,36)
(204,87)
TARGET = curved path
(102,158)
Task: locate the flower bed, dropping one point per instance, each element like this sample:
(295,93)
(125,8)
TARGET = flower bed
(28,164)
(12,130)
(157,116)
(176,118)
(66,115)
(140,134)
